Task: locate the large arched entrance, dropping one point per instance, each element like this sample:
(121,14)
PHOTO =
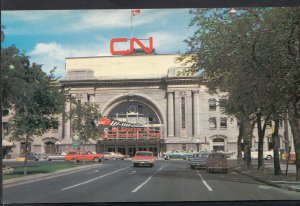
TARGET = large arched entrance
(147,135)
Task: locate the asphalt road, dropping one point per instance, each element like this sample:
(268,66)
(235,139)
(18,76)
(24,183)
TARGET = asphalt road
(119,181)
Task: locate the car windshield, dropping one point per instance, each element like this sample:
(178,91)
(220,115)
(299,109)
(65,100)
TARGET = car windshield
(217,156)
(143,154)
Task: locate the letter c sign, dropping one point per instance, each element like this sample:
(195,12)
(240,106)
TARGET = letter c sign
(131,50)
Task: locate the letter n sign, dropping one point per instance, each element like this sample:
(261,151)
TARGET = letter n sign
(147,50)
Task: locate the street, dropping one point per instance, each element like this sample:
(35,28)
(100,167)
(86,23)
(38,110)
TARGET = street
(119,181)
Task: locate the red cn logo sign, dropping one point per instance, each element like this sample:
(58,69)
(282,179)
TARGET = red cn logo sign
(131,50)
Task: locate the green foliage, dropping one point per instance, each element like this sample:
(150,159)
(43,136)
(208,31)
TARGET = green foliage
(83,118)
(253,55)
(33,95)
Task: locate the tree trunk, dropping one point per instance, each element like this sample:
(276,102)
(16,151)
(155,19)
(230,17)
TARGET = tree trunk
(275,138)
(248,134)
(261,135)
(260,159)
(239,144)
(295,127)
(26,153)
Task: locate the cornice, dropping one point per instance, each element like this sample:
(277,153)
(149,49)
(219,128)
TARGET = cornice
(132,82)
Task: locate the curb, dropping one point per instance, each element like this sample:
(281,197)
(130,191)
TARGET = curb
(290,188)
(37,177)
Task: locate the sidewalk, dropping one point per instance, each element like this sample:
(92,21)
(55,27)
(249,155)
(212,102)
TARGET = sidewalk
(266,175)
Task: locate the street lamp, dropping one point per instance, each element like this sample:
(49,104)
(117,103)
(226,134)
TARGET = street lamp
(57,145)
(197,144)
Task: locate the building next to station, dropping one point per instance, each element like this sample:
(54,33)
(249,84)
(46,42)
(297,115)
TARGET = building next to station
(175,111)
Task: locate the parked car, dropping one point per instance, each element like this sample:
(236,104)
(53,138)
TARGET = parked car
(198,160)
(30,156)
(216,161)
(143,158)
(80,155)
(268,155)
(56,156)
(113,155)
(7,170)
(176,154)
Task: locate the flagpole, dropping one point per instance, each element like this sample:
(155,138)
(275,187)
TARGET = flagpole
(131,24)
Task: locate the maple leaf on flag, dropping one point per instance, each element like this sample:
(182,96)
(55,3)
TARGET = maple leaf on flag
(135,12)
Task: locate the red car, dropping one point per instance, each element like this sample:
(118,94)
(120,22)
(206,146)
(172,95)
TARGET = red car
(143,158)
(80,155)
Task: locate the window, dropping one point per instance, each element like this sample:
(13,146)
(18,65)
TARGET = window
(213,123)
(212,104)
(223,122)
(183,147)
(5,128)
(55,125)
(182,112)
(5,112)
(222,103)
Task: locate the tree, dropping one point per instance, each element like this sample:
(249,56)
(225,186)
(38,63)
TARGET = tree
(84,117)
(31,94)
(235,54)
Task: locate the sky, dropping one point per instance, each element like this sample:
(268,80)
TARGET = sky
(50,36)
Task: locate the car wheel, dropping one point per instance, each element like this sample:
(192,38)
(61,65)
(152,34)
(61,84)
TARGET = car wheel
(225,170)
(49,159)
(96,160)
(36,159)
(135,164)
(152,165)
(167,157)
(74,160)
(269,157)
(192,167)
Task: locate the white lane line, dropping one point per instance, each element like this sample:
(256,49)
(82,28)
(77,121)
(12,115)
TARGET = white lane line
(66,188)
(132,172)
(92,172)
(147,180)
(204,182)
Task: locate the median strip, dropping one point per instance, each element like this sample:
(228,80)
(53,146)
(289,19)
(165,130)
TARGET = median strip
(91,180)
(204,182)
(147,180)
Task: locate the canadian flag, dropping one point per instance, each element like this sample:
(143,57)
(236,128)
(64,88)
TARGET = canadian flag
(135,12)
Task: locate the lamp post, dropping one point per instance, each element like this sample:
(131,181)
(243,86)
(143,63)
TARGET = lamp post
(197,144)
(57,145)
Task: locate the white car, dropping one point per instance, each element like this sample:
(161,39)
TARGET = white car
(113,155)
(268,155)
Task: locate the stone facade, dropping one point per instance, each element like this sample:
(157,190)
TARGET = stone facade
(187,117)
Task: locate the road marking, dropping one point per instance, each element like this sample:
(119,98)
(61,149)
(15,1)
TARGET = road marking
(66,188)
(92,172)
(204,182)
(147,180)
(132,172)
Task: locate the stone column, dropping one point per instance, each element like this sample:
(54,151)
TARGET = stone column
(170,114)
(92,98)
(188,114)
(177,105)
(196,113)
(67,129)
